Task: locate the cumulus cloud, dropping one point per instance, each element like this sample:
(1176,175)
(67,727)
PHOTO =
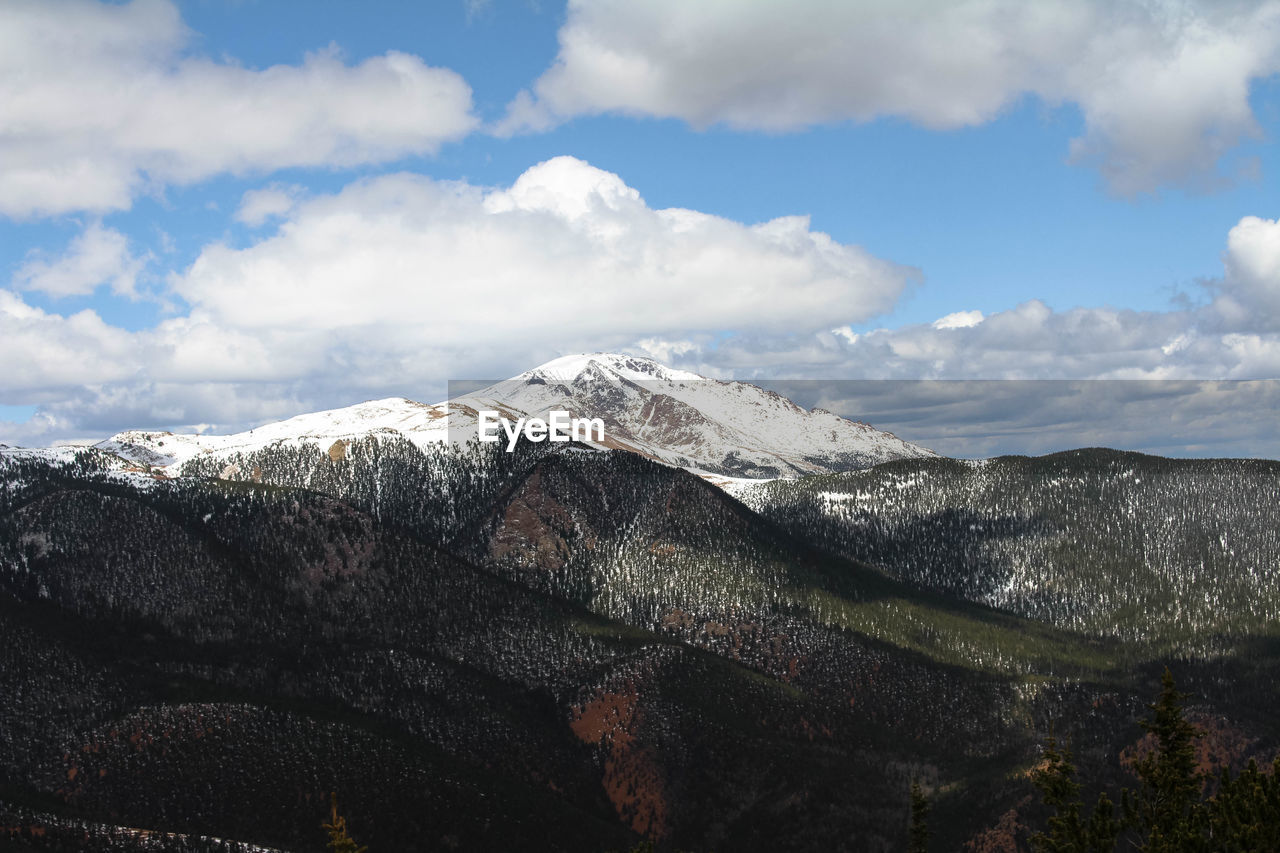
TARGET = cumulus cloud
(568,252)
(397,283)
(273,202)
(1232,332)
(985,418)
(958,320)
(1034,380)
(1247,298)
(96,256)
(1163,86)
(1029,341)
(50,353)
(100,101)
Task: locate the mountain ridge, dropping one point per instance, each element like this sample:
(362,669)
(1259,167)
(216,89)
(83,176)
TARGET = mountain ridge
(715,428)
(604,647)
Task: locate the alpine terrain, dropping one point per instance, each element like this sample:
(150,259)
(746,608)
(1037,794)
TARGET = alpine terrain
(673,416)
(733,624)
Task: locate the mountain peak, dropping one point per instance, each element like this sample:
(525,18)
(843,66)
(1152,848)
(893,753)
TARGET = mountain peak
(708,426)
(567,368)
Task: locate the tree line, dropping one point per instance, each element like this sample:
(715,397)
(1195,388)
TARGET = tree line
(1176,807)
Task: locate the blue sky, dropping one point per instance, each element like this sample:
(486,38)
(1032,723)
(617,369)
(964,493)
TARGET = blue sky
(937,176)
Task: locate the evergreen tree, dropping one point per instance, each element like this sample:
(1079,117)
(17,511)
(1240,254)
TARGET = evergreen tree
(1068,831)
(1245,813)
(918,838)
(1058,787)
(1166,807)
(339,840)
(1167,813)
(1104,826)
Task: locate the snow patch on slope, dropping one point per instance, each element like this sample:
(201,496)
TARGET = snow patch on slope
(725,431)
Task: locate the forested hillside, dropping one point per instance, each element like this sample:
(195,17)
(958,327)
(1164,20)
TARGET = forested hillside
(544,650)
(1180,554)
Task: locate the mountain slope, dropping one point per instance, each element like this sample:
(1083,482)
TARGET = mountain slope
(680,418)
(279,644)
(1179,553)
(548,649)
(663,550)
(675,417)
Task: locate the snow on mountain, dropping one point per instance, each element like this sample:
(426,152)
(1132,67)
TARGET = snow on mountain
(680,418)
(715,428)
(569,367)
(421,423)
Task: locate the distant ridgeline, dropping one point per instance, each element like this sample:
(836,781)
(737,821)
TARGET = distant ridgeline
(1181,554)
(569,649)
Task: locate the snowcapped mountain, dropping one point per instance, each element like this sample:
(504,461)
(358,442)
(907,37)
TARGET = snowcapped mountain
(715,428)
(421,423)
(707,425)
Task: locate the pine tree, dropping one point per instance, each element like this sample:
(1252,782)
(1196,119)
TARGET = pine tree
(1166,808)
(1104,826)
(1068,831)
(1245,813)
(339,840)
(918,838)
(1060,791)
(1168,813)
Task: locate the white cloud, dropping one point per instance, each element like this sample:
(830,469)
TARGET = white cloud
(1163,86)
(958,320)
(1248,296)
(396,284)
(96,256)
(1029,341)
(663,350)
(968,418)
(42,429)
(1233,334)
(273,202)
(99,101)
(567,252)
(50,353)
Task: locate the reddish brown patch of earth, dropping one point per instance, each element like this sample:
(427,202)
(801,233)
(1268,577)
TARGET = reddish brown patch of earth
(1220,745)
(1005,837)
(632,777)
(535,528)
